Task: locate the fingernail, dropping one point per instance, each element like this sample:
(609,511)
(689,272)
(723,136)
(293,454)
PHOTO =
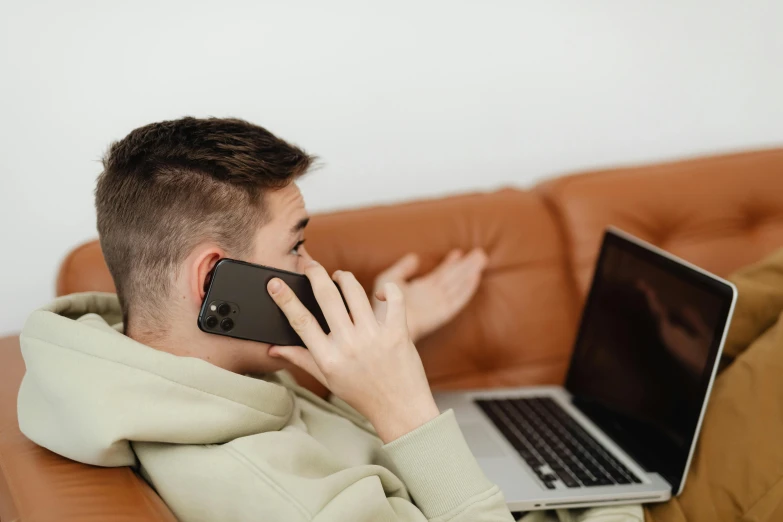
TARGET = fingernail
(274,286)
(312,262)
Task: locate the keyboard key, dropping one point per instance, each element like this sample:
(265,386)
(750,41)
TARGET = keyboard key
(567,479)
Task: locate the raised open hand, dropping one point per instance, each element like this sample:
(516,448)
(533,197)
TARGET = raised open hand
(433,299)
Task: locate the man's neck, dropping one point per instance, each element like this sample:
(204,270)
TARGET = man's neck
(189,342)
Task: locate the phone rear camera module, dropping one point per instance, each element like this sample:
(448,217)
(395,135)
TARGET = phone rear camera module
(226,324)
(211,321)
(224,309)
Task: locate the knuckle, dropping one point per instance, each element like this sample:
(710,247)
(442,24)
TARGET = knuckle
(370,330)
(329,365)
(320,286)
(349,343)
(301,322)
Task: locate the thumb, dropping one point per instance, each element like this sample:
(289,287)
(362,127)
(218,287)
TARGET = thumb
(300,357)
(402,270)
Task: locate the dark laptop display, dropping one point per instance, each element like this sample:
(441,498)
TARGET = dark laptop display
(644,357)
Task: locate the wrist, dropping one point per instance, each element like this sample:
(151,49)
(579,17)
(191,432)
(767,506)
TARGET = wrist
(391,425)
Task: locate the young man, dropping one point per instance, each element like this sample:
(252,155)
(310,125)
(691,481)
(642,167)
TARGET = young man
(209,420)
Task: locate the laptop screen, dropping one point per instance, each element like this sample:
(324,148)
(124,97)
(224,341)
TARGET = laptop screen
(651,332)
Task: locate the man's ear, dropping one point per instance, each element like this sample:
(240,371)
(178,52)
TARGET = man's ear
(202,263)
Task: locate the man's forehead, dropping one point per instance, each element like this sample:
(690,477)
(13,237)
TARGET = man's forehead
(287,204)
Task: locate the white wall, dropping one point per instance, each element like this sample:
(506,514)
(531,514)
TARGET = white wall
(400,99)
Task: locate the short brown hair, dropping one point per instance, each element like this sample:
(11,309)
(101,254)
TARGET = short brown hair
(168,186)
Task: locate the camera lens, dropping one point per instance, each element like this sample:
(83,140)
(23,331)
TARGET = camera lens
(226,324)
(224,309)
(211,321)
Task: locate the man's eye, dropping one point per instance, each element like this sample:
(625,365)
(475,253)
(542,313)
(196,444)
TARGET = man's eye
(295,250)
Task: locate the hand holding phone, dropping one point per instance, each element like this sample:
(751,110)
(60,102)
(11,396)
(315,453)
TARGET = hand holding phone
(368,362)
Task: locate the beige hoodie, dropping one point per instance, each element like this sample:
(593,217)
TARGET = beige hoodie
(220,446)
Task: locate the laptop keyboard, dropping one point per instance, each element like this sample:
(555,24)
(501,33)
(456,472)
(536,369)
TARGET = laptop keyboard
(554,445)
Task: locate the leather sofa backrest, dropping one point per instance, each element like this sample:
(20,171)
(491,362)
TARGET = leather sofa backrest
(719,212)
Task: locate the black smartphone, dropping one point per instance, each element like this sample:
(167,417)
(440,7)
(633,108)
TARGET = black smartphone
(238,304)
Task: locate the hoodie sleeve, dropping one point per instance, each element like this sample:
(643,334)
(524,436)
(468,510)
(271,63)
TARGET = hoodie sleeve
(288,475)
(442,477)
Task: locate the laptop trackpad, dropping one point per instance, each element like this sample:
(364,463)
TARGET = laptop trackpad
(480,441)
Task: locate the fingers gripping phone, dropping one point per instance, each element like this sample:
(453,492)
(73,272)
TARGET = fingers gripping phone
(238,304)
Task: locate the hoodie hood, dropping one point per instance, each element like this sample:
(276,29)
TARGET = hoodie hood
(89,390)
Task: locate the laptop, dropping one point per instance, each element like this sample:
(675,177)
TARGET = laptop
(623,428)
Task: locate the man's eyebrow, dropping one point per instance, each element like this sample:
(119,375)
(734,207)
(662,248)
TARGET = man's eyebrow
(300,225)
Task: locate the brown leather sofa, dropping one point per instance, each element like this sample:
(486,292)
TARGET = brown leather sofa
(719,212)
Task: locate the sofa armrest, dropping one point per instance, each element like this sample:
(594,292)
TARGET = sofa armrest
(36,484)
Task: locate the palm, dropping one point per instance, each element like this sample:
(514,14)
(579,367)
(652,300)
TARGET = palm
(432,300)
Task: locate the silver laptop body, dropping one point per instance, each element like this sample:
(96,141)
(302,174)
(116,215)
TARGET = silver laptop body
(624,427)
